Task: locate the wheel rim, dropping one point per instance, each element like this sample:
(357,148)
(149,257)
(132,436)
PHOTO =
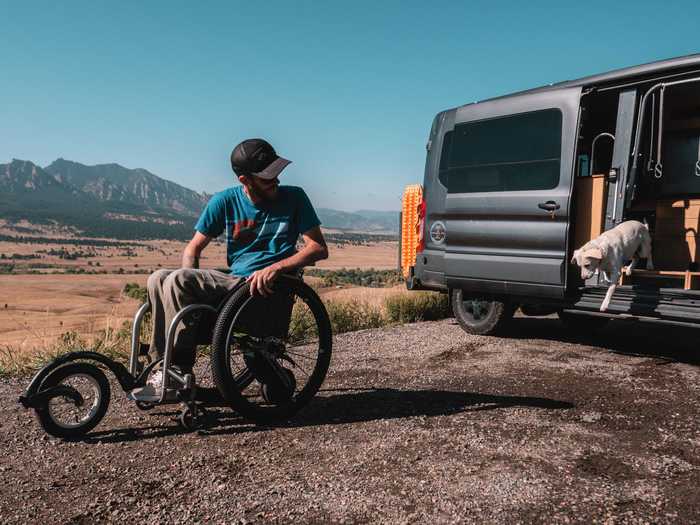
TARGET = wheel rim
(295,347)
(65,413)
(477,310)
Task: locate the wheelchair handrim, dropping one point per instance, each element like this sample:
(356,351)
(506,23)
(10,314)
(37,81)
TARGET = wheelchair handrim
(301,394)
(224,344)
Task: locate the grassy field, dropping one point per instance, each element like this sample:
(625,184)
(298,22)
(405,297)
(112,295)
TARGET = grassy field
(56,287)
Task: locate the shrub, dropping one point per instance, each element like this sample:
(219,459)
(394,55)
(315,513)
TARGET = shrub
(417,306)
(135,291)
(355,276)
(354,315)
(302,325)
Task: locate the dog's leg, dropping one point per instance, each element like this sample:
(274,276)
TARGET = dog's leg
(628,270)
(650,265)
(608,296)
(645,252)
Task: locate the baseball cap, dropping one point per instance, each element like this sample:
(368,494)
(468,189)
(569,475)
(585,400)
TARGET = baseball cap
(257,157)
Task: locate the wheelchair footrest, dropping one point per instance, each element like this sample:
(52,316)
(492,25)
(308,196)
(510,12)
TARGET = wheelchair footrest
(208,395)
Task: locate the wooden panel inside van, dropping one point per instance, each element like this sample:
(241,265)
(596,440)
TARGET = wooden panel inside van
(590,198)
(675,235)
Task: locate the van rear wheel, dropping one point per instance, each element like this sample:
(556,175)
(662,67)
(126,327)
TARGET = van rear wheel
(480,315)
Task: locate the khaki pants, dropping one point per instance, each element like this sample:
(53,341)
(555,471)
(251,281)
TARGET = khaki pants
(169,291)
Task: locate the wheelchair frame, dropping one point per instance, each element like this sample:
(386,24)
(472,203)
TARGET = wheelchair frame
(137,374)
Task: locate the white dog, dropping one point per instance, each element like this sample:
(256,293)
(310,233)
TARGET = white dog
(610,250)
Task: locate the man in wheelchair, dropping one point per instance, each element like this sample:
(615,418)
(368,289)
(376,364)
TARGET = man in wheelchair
(262,221)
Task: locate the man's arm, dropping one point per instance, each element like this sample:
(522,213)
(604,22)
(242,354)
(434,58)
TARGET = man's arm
(314,249)
(190,256)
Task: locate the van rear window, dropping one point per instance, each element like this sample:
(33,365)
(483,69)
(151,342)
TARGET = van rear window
(514,153)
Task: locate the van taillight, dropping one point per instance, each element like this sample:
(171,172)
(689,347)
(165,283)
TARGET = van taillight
(421,226)
(412,222)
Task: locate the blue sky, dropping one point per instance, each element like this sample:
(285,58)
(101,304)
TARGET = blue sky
(347,90)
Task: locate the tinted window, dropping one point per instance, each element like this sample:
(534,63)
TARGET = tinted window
(519,152)
(444,157)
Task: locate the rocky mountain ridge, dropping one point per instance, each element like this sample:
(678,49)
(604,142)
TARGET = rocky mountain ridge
(71,192)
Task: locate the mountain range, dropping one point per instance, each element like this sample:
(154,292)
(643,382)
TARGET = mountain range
(111,200)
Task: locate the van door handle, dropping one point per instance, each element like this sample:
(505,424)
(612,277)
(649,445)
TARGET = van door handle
(548,206)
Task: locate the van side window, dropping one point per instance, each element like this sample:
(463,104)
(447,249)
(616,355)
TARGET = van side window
(444,157)
(514,153)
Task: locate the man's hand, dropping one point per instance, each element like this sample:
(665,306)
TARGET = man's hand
(261,281)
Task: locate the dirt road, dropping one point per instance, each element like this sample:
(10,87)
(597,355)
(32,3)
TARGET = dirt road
(419,423)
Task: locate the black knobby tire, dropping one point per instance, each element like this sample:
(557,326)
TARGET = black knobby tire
(583,324)
(480,315)
(45,413)
(226,381)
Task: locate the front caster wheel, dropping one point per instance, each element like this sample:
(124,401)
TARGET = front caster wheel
(480,315)
(77,400)
(193,418)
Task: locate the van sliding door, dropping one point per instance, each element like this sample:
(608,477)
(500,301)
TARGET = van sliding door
(508,194)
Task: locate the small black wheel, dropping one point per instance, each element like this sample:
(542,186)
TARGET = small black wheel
(79,402)
(281,391)
(193,419)
(144,405)
(582,324)
(480,315)
(270,355)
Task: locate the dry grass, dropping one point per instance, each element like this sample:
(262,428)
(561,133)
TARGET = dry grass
(346,316)
(40,308)
(114,344)
(417,306)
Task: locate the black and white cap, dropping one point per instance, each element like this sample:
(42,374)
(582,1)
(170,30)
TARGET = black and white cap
(257,157)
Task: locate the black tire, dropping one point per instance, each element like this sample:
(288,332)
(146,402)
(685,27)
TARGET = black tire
(51,413)
(144,405)
(228,330)
(582,324)
(193,420)
(480,315)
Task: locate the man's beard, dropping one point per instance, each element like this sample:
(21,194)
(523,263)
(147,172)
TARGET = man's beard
(263,195)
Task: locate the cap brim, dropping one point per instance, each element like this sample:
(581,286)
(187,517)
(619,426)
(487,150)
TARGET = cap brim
(274,169)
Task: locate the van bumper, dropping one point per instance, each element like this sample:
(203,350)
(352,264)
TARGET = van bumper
(429,282)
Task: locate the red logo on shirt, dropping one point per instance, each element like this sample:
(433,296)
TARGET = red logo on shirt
(244,231)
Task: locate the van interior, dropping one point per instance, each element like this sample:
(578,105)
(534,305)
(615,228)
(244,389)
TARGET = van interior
(666,193)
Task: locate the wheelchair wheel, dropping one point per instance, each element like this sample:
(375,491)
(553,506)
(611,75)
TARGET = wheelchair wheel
(78,402)
(270,355)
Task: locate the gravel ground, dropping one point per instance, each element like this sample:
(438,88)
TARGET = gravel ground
(417,423)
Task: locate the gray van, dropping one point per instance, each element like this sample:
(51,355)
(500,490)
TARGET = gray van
(514,184)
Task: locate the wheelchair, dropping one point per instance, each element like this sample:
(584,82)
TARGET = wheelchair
(269,357)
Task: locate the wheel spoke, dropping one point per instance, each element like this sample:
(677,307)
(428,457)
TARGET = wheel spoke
(294,365)
(297,354)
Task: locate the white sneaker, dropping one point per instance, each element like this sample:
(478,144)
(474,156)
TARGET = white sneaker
(151,392)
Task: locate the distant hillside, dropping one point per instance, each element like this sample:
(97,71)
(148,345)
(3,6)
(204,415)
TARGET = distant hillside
(29,192)
(26,186)
(364,220)
(109,200)
(115,183)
